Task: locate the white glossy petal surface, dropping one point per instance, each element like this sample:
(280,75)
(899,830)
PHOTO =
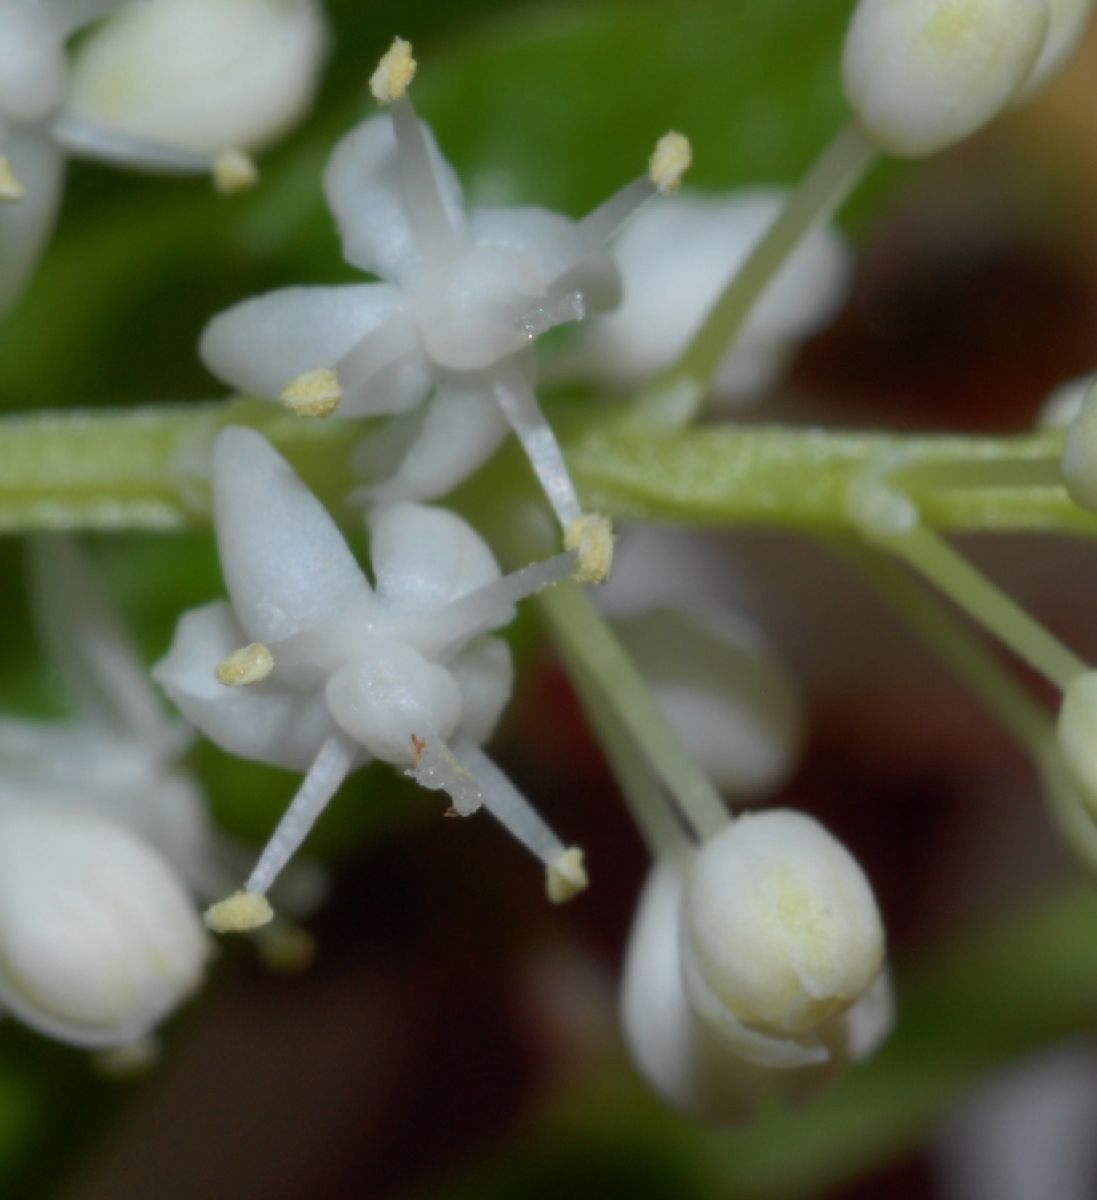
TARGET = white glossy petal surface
(25,224)
(361,186)
(260,722)
(34,75)
(260,345)
(286,565)
(484,671)
(98,940)
(201,74)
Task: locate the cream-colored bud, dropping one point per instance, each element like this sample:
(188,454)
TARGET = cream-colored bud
(923,74)
(98,939)
(1079,463)
(782,923)
(1077,732)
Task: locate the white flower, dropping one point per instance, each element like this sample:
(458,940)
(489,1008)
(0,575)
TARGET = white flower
(676,259)
(99,942)
(754,969)
(444,343)
(1069,20)
(314,669)
(923,74)
(201,74)
(129,109)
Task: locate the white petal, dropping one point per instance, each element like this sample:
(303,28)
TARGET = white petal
(423,557)
(460,429)
(552,245)
(360,183)
(723,689)
(485,674)
(387,693)
(286,565)
(281,728)
(32,83)
(260,345)
(98,940)
(869,1022)
(25,224)
(201,74)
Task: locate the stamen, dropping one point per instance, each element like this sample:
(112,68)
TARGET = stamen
(313,394)
(394,72)
(242,912)
(565,875)
(10,187)
(234,171)
(520,407)
(591,538)
(438,770)
(250,664)
(331,766)
(668,163)
(419,188)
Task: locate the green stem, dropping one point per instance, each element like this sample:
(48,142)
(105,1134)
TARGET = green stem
(585,639)
(987,604)
(818,195)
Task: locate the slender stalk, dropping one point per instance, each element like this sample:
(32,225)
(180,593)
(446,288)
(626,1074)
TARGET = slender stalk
(581,630)
(988,604)
(833,176)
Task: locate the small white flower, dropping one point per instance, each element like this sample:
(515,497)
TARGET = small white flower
(444,343)
(314,669)
(754,969)
(99,942)
(923,74)
(676,259)
(201,74)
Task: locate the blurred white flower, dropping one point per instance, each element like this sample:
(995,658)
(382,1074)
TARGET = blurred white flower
(444,344)
(201,74)
(313,669)
(99,940)
(754,969)
(676,258)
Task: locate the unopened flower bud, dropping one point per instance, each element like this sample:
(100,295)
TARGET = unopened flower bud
(923,74)
(1069,19)
(1077,732)
(781,922)
(98,939)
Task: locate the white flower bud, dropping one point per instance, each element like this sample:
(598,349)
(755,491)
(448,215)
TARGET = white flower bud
(1061,407)
(1079,463)
(923,74)
(1077,732)
(201,74)
(98,939)
(1069,19)
(781,923)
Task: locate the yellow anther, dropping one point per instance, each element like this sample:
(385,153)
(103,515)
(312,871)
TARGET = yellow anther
(234,171)
(566,877)
(669,161)
(591,538)
(394,73)
(10,187)
(249,664)
(239,913)
(314,394)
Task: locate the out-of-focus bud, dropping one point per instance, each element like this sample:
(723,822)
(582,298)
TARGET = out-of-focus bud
(99,942)
(781,922)
(923,74)
(1069,19)
(1064,403)
(1080,454)
(1077,732)
(201,74)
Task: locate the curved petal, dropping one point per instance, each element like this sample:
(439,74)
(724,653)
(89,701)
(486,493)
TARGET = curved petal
(484,671)
(868,1023)
(26,224)
(461,428)
(551,243)
(423,557)
(723,689)
(260,345)
(286,565)
(281,728)
(363,193)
